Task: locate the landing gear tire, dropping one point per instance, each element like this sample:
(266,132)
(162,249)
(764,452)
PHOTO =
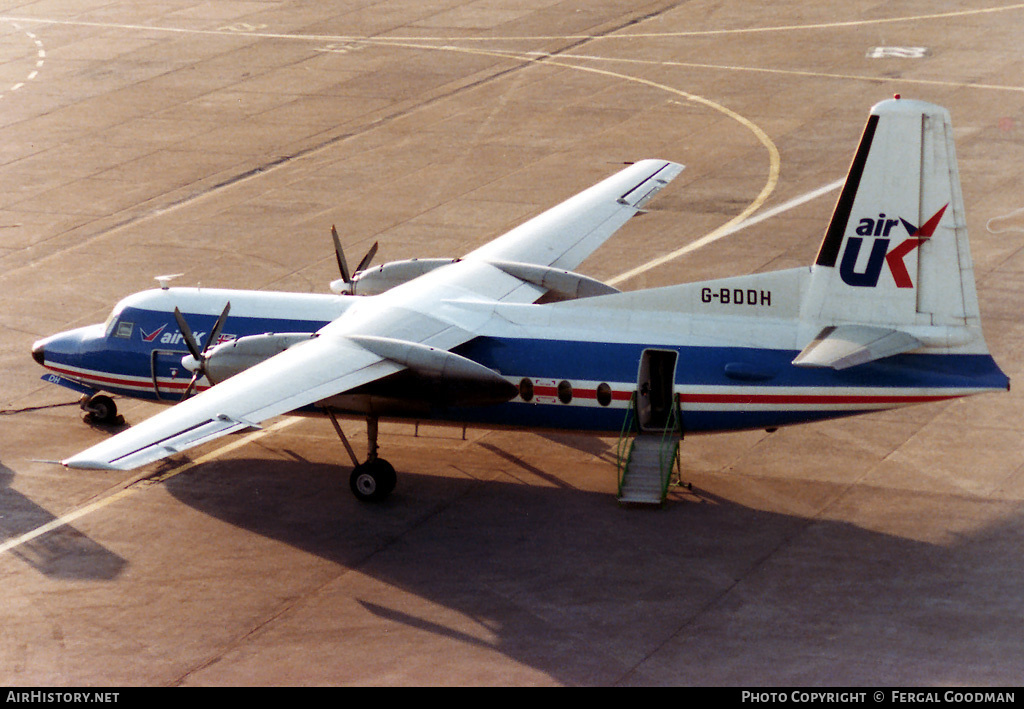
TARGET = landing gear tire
(101,409)
(373,480)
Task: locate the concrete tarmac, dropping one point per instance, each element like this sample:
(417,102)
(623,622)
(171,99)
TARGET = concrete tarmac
(221,140)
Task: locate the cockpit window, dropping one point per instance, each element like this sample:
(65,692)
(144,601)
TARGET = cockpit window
(108,326)
(124,330)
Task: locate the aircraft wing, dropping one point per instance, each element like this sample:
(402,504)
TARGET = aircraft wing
(413,325)
(297,377)
(563,236)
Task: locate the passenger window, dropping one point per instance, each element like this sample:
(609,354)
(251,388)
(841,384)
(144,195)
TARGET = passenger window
(526,389)
(604,394)
(564,392)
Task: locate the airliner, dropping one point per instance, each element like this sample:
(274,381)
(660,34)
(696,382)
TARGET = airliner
(509,334)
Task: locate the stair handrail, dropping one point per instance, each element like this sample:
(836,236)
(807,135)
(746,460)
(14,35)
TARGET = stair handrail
(624,449)
(669,441)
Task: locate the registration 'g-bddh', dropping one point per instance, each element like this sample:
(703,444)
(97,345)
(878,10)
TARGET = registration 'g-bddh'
(509,335)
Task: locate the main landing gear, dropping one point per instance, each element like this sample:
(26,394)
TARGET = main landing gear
(101,409)
(374,479)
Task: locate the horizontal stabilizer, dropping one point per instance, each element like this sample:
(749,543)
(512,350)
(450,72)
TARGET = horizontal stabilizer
(849,345)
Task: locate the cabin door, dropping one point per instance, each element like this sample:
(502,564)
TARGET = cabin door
(655,388)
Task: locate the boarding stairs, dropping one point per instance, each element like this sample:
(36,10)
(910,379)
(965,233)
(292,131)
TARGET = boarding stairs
(647,457)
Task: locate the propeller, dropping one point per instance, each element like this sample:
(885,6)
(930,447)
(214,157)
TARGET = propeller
(346,276)
(197,363)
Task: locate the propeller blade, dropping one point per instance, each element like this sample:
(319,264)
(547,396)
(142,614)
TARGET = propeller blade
(366,259)
(186,332)
(193,347)
(342,263)
(211,341)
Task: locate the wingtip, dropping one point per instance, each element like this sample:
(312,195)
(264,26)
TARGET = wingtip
(85,464)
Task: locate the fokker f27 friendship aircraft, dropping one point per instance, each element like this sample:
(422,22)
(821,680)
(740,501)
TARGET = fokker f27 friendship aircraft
(886,316)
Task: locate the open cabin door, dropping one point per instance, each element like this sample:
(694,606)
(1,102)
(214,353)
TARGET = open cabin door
(655,387)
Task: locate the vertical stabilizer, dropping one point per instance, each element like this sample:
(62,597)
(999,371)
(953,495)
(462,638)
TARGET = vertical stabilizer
(896,253)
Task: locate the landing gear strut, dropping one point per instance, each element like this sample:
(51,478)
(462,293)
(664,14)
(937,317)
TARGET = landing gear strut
(374,479)
(100,408)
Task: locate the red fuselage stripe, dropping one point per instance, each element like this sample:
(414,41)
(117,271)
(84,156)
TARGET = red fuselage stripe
(617,395)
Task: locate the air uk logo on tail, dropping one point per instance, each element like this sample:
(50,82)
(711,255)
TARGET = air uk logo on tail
(880,255)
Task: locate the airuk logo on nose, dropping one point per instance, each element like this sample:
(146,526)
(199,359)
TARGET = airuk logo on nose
(880,255)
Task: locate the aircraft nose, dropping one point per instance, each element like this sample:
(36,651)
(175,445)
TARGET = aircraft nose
(39,351)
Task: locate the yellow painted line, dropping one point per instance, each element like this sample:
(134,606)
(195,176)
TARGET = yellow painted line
(141,484)
(773,173)
(729,227)
(774,160)
(726,230)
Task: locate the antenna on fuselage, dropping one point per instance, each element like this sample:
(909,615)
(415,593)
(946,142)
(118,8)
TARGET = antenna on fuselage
(164,280)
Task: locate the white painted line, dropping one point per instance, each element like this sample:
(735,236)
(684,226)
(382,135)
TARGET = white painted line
(727,229)
(39,63)
(720,233)
(70,517)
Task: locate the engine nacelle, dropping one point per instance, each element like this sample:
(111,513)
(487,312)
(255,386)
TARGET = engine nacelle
(374,281)
(229,358)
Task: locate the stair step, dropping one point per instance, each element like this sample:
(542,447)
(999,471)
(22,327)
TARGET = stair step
(642,479)
(641,499)
(644,483)
(652,487)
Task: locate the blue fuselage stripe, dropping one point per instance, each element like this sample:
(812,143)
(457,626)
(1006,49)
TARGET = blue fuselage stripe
(698,368)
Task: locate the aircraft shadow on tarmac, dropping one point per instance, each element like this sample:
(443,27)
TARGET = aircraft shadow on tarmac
(64,553)
(705,590)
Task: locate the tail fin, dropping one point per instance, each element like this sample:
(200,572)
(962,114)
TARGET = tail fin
(895,256)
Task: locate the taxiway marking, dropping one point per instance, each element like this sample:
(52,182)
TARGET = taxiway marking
(792,72)
(774,160)
(731,226)
(40,58)
(727,229)
(255,30)
(141,484)
(741,221)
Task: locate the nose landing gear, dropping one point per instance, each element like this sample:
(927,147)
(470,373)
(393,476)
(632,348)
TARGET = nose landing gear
(101,409)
